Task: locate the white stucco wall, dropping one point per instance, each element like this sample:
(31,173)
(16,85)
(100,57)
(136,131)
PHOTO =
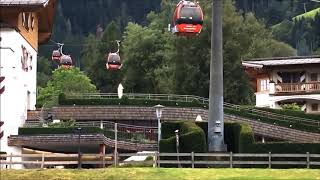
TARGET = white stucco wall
(14,101)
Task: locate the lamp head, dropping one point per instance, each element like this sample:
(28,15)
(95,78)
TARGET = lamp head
(159,109)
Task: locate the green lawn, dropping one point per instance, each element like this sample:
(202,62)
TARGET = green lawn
(160,173)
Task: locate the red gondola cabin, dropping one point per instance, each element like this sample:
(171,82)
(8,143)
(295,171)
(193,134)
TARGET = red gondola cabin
(56,55)
(188,19)
(113,61)
(66,61)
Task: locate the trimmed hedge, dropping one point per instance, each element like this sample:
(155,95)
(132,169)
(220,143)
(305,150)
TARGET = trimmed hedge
(71,130)
(239,138)
(248,145)
(126,101)
(292,113)
(295,125)
(191,139)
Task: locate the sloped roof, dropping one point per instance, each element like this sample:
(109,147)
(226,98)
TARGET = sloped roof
(260,63)
(24,2)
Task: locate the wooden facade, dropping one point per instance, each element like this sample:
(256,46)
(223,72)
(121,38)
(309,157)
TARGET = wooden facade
(34,23)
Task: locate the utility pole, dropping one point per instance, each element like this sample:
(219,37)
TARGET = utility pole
(216,121)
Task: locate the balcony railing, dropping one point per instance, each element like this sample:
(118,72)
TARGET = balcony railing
(310,87)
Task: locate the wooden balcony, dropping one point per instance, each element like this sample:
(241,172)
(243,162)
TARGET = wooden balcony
(300,88)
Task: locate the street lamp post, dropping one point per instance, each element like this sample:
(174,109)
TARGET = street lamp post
(159,109)
(177,146)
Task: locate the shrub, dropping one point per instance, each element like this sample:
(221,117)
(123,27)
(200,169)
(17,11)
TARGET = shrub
(291,107)
(63,124)
(192,137)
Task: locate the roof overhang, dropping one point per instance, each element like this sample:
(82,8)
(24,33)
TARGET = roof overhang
(281,61)
(248,64)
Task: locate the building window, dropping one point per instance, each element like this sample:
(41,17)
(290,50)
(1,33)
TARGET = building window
(314,77)
(264,84)
(314,107)
(26,20)
(32,23)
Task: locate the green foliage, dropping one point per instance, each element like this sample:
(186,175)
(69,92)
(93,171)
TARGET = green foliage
(143,49)
(191,137)
(311,14)
(67,81)
(63,124)
(291,107)
(248,145)
(58,130)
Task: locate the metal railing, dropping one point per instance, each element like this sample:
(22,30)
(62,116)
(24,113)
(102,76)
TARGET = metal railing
(307,87)
(231,160)
(189,98)
(167,97)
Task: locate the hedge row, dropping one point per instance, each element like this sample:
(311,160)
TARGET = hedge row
(294,125)
(248,145)
(291,113)
(126,101)
(70,130)
(239,138)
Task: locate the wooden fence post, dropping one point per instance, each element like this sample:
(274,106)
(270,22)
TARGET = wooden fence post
(42,161)
(154,160)
(115,144)
(10,165)
(269,159)
(308,160)
(158,159)
(192,159)
(231,160)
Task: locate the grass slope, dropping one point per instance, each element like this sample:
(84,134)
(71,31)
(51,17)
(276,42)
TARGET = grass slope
(160,173)
(307,15)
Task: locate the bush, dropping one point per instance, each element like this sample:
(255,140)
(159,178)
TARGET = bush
(248,145)
(63,124)
(192,137)
(291,107)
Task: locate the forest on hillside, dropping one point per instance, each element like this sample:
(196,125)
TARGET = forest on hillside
(156,61)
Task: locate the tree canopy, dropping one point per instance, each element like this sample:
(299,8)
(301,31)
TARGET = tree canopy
(66,81)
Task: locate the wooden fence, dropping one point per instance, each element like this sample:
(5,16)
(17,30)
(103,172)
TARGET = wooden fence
(192,160)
